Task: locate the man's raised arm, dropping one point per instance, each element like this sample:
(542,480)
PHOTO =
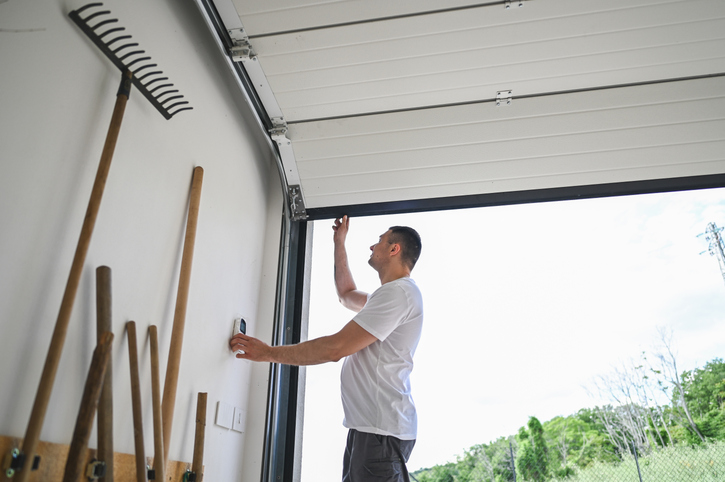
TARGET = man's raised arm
(347,292)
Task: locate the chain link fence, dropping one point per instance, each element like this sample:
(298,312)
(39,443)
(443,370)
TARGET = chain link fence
(679,463)
(704,463)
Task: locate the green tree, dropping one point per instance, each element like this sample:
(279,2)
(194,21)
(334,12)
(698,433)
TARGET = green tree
(533,458)
(705,387)
(475,465)
(595,444)
(487,462)
(439,473)
(704,391)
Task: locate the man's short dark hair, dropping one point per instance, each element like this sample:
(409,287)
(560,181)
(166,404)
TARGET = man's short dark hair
(409,241)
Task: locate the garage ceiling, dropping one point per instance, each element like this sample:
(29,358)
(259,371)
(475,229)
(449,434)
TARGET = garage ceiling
(375,101)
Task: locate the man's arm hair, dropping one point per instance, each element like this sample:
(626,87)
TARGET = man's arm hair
(351,339)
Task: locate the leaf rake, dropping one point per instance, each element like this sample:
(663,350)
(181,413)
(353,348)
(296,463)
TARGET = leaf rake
(124,55)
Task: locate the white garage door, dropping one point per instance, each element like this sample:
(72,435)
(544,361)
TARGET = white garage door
(396,101)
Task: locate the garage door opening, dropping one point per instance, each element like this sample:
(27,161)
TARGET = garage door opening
(525,306)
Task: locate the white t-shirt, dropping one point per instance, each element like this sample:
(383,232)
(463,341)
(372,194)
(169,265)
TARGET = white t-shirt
(375,381)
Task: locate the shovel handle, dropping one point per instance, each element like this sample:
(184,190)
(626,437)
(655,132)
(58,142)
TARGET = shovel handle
(105,404)
(197,464)
(182,295)
(156,401)
(89,403)
(136,403)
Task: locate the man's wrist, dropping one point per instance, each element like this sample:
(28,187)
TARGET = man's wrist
(270,354)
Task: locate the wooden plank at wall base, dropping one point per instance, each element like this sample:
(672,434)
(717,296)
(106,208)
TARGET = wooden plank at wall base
(53,457)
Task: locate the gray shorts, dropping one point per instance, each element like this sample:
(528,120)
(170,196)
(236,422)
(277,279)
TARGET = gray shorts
(375,458)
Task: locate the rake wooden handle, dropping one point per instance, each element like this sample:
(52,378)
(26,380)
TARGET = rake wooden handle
(105,404)
(156,401)
(45,387)
(197,464)
(136,403)
(182,295)
(84,423)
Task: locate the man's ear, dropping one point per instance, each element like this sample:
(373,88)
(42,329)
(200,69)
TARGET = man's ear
(394,249)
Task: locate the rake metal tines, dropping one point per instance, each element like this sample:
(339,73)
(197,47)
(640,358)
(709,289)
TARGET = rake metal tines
(126,57)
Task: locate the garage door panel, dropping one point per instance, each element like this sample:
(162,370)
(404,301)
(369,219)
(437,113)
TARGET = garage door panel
(662,103)
(468,55)
(517,150)
(401,94)
(503,186)
(705,159)
(413,155)
(580,163)
(635,107)
(539,20)
(281,15)
(671,45)
(365,44)
(699,57)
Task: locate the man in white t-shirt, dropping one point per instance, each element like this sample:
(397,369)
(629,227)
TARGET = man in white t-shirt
(378,346)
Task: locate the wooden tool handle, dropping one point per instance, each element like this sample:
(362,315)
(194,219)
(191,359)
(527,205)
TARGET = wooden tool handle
(105,404)
(156,400)
(182,295)
(197,464)
(136,403)
(45,387)
(84,423)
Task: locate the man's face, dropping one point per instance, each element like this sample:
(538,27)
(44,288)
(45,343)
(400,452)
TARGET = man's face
(379,251)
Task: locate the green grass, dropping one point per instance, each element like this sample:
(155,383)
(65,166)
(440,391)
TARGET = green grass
(671,464)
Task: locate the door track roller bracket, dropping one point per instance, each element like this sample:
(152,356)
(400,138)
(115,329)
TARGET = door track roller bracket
(297,204)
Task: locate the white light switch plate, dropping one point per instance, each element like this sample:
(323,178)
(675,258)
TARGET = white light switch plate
(240,417)
(224,414)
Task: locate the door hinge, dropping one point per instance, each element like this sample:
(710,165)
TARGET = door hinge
(504,97)
(278,132)
(508,3)
(241,50)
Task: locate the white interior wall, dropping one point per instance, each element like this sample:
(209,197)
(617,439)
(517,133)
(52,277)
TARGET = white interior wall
(57,93)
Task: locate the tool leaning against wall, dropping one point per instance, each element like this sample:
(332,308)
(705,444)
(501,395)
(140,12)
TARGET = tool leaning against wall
(131,63)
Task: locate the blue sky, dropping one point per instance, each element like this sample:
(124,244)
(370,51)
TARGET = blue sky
(525,305)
